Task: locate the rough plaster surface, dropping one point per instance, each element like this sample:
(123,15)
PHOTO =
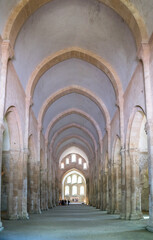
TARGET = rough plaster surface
(87,24)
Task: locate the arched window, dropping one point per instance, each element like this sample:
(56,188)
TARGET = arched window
(80,161)
(74,178)
(67,190)
(82,190)
(74,190)
(73,157)
(69,179)
(62,165)
(79,179)
(67,160)
(85,166)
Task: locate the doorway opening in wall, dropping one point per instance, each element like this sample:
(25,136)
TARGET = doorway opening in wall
(139,167)
(74,187)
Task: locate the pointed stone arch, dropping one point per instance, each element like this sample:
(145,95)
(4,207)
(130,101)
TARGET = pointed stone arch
(76,126)
(77,137)
(74,111)
(73,89)
(74,52)
(25,8)
(70,145)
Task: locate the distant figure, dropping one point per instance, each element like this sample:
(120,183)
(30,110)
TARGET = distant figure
(65,201)
(68,202)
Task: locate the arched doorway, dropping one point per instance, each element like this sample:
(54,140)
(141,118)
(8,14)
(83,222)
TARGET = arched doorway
(74,187)
(138,151)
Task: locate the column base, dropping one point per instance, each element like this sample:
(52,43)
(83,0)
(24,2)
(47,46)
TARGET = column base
(136,216)
(149,228)
(13,217)
(122,216)
(35,212)
(117,212)
(23,216)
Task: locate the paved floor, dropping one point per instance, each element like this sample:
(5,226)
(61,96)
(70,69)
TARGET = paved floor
(75,222)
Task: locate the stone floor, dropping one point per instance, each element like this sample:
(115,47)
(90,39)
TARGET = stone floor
(74,222)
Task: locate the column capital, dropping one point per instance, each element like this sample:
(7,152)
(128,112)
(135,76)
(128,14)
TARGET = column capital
(7,49)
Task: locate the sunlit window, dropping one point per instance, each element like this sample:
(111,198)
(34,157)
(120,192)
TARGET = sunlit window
(74,178)
(79,179)
(69,179)
(67,190)
(62,165)
(80,161)
(82,190)
(67,160)
(73,157)
(85,166)
(74,190)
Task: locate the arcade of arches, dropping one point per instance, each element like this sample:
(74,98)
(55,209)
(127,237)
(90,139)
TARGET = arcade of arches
(76,106)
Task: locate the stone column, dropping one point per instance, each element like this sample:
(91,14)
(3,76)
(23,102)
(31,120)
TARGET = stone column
(116,209)
(109,209)
(135,186)
(46,175)
(28,104)
(123,186)
(49,172)
(144,55)
(23,182)
(104,191)
(101,190)
(15,185)
(1,144)
(113,181)
(6,54)
(39,165)
(123,159)
(128,185)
